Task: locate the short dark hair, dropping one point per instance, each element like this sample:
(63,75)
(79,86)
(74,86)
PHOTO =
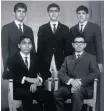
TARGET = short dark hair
(82,7)
(22,37)
(53,5)
(79,36)
(20,5)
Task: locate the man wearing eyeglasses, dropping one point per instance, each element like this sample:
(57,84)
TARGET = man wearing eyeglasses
(92,33)
(76,76)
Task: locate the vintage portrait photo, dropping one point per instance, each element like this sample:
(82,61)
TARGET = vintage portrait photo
(52,55)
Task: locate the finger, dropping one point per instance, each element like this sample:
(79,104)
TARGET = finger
(30,88)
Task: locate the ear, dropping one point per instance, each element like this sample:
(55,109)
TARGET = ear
(13,13)
(59,13)
(73,45)
(19,46)
(87,16)
(85,45)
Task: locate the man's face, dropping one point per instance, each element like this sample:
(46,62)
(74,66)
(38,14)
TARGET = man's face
(25,46)
(54,13)
(82,16)
(20,14)
(79,44)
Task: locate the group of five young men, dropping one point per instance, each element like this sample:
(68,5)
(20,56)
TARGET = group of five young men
(29,70)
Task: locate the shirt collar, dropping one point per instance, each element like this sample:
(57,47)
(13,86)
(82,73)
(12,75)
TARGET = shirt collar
(51,23)
(23,56)
(84,24)
(17,23)
(80,53)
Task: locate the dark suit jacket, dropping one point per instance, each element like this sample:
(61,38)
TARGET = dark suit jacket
(16,69)
(10,38)
(84,68)
(49,44)
(92,34)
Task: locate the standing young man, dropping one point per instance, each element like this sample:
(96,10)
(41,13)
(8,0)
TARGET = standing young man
(10,36)
(52,42)
(11,32)
(91,32)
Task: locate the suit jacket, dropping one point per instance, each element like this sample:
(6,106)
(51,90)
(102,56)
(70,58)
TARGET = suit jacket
(49,44)
(10,38)
(84,68)
(16,69)
(92,34)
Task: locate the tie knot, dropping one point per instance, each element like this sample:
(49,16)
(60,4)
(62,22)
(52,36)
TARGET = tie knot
(54,25)
(26,57)
(78,55)
(81,25)
(20,27)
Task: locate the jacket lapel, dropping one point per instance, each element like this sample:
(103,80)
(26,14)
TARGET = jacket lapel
(58,28)
(15,27)
(81,57)
(49,29)
(86,27)
(21,61)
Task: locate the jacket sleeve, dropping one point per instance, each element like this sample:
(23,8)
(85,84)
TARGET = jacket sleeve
(10,71)
(63,72)
(31,34)
(5,43)
(93,72)
(98,42)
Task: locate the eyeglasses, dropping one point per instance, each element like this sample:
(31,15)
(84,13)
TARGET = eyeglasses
(79,43)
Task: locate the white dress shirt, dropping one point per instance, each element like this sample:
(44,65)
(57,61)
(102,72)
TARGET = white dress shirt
(28,59)
(80,53)
(52,25)
(17,24)
(84,24)
(53,68)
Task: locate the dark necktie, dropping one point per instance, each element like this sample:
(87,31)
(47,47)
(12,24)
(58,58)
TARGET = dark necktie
(20,27)
(26,62)
(81,30)
(78,56)
(54,28)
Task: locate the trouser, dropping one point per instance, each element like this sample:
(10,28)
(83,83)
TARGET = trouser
(77,98)
(42,96)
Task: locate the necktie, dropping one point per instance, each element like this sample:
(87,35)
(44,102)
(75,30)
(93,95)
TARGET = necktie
(54,28)
(26,62)
(20,27)
(81,29)
(78,56)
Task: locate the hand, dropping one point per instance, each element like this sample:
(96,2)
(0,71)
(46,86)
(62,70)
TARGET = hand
(76,83)
(33,88)
(73,89)
(100,67)
(33,80)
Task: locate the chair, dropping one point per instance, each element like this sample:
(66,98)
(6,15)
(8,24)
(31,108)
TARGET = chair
(90,102)
(14,104)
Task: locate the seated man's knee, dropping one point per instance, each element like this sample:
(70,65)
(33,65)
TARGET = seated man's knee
(77,95)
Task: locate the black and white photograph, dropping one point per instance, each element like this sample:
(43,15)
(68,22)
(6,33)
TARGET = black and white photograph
(52,55)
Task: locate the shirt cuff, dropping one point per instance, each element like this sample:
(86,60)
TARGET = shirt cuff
(69,82)
(40,79)
(23,80)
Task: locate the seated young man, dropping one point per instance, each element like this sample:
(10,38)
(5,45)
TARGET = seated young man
(23,68)
(76,75)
